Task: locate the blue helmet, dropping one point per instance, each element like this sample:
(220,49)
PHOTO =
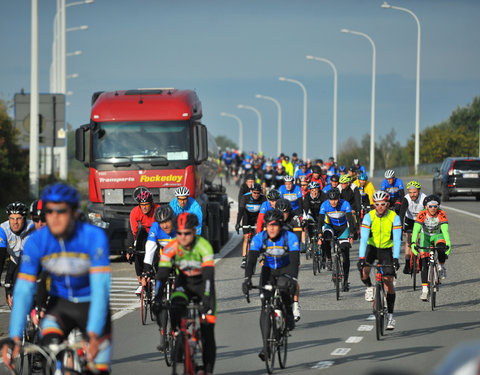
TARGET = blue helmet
(314,185)
(60,193)
(342,168)
(363,177)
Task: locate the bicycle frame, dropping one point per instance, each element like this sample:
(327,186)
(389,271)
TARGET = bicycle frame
(337,265)
(433,280)
(380,309)
(191,339)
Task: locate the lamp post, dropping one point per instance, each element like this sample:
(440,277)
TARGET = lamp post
(279,120)
(33,169)
(240,129)
(259,116)
(335,78)
(372,127)
(385,5)
(304,112)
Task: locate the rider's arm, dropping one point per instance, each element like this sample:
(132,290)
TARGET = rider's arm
(294,253)
(241,210)
(444,228)
(397,236)
(403,210)
(100,280)
(351,221)
(370,190)
(164,266)
(134,221)
(253,253)
(197,210)
(300,199)
(150,248)
(357,200)
(3,249)
(260,222)
(306,204)
(364,234)
(320,221)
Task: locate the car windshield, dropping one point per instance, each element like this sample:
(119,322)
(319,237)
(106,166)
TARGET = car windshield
(140,141)
(467,165)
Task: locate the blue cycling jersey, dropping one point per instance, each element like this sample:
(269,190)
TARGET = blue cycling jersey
(336,216)
(300,173)
(193,207)
(293,195)
(327,188)
(158,235)
(266,206)
(392,190)
(79,270)
(276,252)
(247,165)
(228,159)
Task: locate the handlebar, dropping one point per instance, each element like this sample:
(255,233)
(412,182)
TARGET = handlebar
(267,287)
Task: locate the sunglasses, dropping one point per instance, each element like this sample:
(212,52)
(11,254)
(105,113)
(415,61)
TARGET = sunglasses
(37,219)
(182,199)
(433,206)
(56,210)
(383,204)
(189,233)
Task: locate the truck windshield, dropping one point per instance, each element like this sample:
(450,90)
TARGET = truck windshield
(139,141)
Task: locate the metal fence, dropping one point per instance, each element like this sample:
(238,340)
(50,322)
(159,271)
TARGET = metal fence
(409,170)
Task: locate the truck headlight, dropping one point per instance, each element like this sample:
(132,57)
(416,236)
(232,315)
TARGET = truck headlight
(96,219)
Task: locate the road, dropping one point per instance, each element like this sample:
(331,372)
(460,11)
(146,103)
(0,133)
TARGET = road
(332,337)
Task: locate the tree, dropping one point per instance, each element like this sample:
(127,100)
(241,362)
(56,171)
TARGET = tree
(13,162)
(223,142)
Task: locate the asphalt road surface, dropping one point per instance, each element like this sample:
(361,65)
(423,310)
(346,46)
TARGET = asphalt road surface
(332,337)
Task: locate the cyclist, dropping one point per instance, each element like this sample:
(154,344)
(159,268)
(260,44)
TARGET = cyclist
(412,204)
(293,193)
(184,203)
(366,190)
(302,171)
(316,176)
(76,256)
(311,206)
(431,227)
(335,218)
(192,256)
(245,187)
(268,177)
(287,164)
(248,214)
(304,185)
(293,223)
(334,181)
(351,193)
(360,168)
(381,235)
(279,175)
(394,187)
(342,170)
(280,249)
(247,167)
(272,197)
(37,214)
(141,218)
(331,167)
(352,172)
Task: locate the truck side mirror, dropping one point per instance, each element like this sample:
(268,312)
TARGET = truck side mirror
(80,142)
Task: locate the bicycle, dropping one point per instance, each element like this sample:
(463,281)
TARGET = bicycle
(146,301)
(318,257)
(380,309)
(166,329)
(276,341)
(433,279)
(414,269)
(337,265)
(308,241)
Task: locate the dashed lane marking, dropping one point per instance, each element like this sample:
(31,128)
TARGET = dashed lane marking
(323,364)
(371,317)
(354,339)
(365,328)
(340,351)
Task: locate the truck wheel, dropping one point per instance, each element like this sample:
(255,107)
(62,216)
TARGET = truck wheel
(214,226)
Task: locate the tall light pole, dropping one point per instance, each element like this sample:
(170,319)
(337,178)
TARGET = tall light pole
(335,78)
(259,116)
(304,112)
(33,169)
(279,121)
(240,129)
(372,127)
(417,100)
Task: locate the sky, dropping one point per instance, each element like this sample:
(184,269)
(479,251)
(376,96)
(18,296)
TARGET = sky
(231,50)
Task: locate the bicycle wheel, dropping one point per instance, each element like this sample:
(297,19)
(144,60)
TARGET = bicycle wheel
(150,301)
(143,306)
(307,246)
(337,276)
(269,343)
(378,310)
(413,269)
(283,346)
(432,281)
(315,263)
(168,338)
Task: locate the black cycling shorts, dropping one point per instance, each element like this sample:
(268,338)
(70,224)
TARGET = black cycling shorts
(408,225)
(384,256)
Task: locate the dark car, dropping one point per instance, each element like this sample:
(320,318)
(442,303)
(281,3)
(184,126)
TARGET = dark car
(458,177)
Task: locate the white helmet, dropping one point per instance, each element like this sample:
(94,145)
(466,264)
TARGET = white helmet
(389,173)
(380,196)
(288,178)
(182,191)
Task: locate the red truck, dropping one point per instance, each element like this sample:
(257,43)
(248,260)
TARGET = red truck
(152,138)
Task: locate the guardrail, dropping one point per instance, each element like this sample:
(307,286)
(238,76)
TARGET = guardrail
(409,170)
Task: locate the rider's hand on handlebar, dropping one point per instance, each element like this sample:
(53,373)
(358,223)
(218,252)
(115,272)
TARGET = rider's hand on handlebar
(7,357)
(92,347)
(396,264)
(237,228)
(246,285)
(361,264)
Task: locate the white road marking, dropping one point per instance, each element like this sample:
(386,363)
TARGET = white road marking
(461,211)
(365,328)
(371,317)
(340,351)
(323,364)
(354,339)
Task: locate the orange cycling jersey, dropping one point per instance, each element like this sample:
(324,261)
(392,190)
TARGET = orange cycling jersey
(431,225)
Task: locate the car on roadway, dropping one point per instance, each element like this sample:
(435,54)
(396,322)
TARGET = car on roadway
(457,176)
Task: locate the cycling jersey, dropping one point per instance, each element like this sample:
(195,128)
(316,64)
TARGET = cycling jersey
(79,270)
(228,158)
(382,232)
(276,252)
(395,191)
(295,196)
(411,208)
(368,190)
(193,207)
(300,173)
(249,209)
(268,177)
(329,187)
(13,243)
(431,225)
(321,180)
(157,237)
(336,216)
(138,217)
(247,165)
(278,180)
(311,206)
(360,169)
(352,195)
(294,224)
(266,206)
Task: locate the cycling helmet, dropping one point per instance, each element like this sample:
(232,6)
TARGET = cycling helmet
(314,185)
(182,191)
(186,220)
(274,216)
(142,195)
(345,179)
(249,176)
(60,192)
(268,164)
(273,195)
(335,178)
(380,196)
(389,173)
(355,161)
(431,199)
(316,169)
(256,187)
(352,169)
(342,168)
(288,178)
(248,157)
(164,213)
(284,205)
(36,208)
(17,208)
(363,177)
(302,178)
(414,185)
(333,194)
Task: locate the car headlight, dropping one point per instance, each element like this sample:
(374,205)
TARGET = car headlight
(96,219)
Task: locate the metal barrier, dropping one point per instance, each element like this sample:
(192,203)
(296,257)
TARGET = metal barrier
(409,170)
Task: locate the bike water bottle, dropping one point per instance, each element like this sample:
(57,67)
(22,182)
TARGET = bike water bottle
(279,318)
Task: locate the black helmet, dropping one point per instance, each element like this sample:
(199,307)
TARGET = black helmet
(333,194)
(164,213)
(284,205)
(431,199)
(36,208)
(335,178)
(186,220)
(17,208)
(316,169)
(273,195)
(256,187)
(274,216)
(249,176)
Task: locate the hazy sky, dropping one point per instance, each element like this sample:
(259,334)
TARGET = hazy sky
(230,50)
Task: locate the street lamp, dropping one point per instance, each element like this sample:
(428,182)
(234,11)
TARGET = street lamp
(75,53)
(335,77)
(259,116)
(385,5)
(77,28)
(74,75)
(372,129)
(304,112)
(279,123)
(240,129)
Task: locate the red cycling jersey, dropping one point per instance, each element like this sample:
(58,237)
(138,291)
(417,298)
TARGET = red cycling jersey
(137,216)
